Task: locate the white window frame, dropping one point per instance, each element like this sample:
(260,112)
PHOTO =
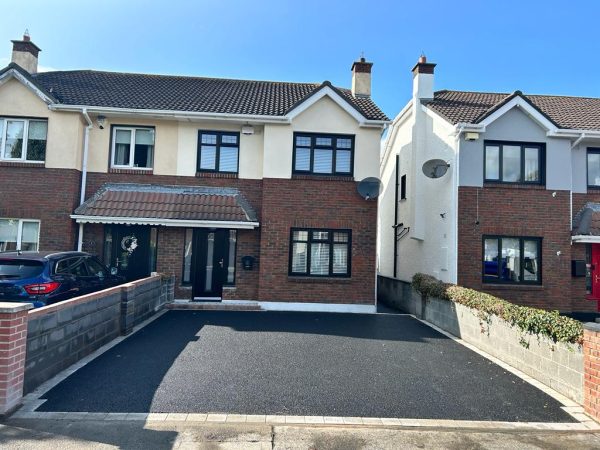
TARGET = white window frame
(23,157)
(133,131)
(20,230)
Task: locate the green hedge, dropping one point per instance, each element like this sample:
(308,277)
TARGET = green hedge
(529,320)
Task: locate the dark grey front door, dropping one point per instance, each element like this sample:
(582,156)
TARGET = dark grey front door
(211,260)
(130,250)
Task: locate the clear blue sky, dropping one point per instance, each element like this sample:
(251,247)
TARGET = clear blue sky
(545,46)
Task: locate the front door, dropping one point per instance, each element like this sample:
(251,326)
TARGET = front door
(595,271)
(211,262)
(130,250)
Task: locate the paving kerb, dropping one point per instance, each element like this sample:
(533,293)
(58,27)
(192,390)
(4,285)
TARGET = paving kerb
(33,401)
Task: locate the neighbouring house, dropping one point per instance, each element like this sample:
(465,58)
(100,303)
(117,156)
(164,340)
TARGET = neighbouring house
(244,190)
(494,191)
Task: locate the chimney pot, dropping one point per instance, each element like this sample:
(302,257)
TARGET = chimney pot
(25,53)
(361,77)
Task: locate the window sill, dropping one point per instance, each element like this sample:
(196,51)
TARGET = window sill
(508,286)
(132,171)
(38,164)
(216,175)
(322,280)
(298,176)
(500,185)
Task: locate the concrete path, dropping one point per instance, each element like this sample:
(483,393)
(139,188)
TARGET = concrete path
(48,434)
(299,364)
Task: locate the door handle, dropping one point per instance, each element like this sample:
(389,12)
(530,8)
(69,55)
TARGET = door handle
(221,263)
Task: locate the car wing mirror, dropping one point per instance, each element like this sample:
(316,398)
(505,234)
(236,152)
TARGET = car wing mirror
(114,270)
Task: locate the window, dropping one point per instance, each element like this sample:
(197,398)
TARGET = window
(17,234)
(322,154)
(23,139)
(512,259)
(132,148)
(514,162)
(320,253)
(403,187)
(218,151)
(593,167)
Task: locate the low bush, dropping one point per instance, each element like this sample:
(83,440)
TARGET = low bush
(529,320)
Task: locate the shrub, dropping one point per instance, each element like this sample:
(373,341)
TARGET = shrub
(529,320)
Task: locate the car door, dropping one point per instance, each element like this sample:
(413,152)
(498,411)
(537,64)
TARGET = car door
(70,285)
(98,276)
(78,268)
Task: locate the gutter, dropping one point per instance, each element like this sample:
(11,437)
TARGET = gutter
(84,164)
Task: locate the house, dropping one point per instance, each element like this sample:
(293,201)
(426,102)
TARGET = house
(244,190)
(498,192)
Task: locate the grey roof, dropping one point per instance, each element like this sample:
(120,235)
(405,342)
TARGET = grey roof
(186,94)
(151,201)
(587,220)
(582,113)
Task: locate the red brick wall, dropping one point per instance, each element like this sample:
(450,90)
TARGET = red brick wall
(316,204)
(591,370)
(49,195)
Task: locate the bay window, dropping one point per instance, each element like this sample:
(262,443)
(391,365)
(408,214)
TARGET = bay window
(514,162)
(320,253)
(132,147)
(323,154)
(19,234)
(508,259)
(23,139)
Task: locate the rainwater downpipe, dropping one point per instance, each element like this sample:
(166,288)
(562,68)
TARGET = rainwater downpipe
(86,141)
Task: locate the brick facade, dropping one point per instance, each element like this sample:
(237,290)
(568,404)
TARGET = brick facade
(515,210)
(280,205)
(48,195)
(591,368)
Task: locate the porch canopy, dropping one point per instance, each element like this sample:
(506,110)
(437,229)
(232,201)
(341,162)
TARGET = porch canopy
(586,224)
(171,206)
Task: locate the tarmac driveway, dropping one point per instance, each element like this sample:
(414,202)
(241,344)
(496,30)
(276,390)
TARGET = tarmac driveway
(299,364)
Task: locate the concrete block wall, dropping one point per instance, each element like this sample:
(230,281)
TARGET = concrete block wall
(398,294)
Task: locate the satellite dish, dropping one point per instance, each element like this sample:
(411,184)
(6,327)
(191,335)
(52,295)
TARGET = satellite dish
(369,188)
(435,168)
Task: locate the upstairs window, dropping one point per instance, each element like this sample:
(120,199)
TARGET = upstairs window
(218,151)
(320,253)
(18,234)
(593,167)
(514,260)
(133,147)
(514,162)
(23,139)
(323,154)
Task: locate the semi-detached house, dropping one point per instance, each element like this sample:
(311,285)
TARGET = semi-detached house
(514,208)
(244,190)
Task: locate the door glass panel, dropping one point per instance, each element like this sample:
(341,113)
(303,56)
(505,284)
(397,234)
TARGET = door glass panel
(210,251)
(14,139)
(231,266)
(29,237)
(187,256)
(511,163)
(153,246)
(108,242)
(492,162)
(511,257)
(531,264)
(8,234)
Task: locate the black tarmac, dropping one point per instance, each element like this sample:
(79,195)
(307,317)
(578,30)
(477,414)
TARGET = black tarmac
(325,364)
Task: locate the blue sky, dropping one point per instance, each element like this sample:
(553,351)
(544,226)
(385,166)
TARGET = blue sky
(548,46)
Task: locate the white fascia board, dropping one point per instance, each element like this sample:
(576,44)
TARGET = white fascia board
(171,114)
(518,102)
(585,239)
(166,222)
(327,91)
(12,73)
(573,133)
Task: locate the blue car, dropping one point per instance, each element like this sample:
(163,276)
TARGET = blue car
(43,278)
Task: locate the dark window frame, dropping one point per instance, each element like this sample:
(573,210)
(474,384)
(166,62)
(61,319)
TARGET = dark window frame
(112,147)
(313,139)
(329,241)
(491,280)
(541,162)
(403,187)
(218,146)
(595,151)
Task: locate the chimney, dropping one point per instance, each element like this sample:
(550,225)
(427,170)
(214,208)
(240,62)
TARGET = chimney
(423,79)
(25,54)
(361,78)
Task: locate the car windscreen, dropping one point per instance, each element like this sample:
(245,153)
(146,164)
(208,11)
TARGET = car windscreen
(16,269)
